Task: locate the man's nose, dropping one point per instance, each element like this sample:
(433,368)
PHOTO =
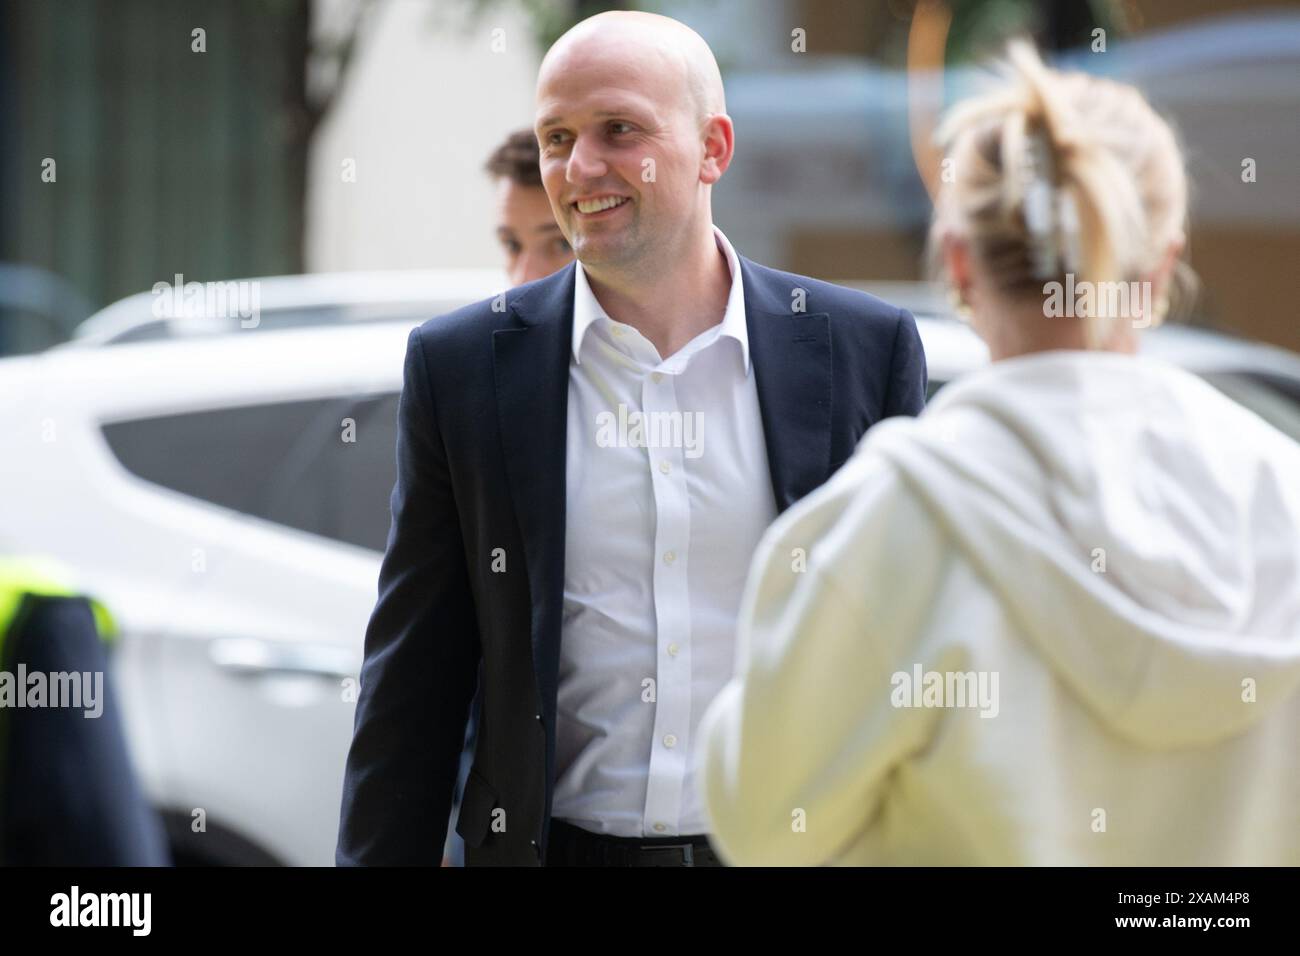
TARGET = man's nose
(585,161)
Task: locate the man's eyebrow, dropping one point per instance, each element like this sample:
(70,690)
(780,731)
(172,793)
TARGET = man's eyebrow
(548,227)
(602,114)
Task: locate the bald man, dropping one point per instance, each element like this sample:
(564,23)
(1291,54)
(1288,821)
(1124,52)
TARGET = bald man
(585,466)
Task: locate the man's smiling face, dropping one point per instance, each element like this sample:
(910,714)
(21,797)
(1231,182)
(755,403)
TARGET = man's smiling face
(620,150)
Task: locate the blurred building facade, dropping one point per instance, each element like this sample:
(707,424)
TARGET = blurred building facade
(136,148)
(350,134)
(396,171)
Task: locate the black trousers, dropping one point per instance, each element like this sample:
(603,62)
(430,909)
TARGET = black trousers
(571,845)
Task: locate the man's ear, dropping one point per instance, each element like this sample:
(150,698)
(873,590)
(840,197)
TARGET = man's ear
(719,138)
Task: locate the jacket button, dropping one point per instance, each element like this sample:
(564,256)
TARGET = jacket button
(539,718)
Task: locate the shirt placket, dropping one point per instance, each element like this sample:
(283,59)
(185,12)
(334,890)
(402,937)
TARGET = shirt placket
(670,744)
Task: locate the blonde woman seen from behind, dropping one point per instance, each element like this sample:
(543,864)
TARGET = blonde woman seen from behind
(1056,618)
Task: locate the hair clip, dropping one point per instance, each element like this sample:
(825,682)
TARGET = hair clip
(1051,217)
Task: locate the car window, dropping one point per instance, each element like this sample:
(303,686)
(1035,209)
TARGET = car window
(322,466)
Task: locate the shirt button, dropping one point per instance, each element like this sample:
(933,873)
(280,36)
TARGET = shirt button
(665,467)
(660,828)
(673,649)
(658,377)
(669,557)
(670,741)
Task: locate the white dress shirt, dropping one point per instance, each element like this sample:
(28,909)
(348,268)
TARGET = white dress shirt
(668,494)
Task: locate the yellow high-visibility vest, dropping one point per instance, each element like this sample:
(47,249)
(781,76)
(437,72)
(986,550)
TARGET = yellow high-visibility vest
(44,578)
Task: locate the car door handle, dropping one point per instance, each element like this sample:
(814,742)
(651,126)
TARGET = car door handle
(253,656)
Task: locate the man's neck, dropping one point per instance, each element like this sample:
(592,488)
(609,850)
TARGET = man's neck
(672,306)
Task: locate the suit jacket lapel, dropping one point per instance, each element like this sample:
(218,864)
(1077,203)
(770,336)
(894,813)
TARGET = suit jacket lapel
(791,353)
(531,364)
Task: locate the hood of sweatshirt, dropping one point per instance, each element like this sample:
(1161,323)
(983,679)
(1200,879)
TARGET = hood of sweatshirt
(1142,529)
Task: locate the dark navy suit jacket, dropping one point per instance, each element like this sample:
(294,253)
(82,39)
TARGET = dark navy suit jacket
(481,476)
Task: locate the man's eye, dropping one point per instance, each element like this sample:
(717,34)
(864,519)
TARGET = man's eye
(555,139)
(620,127)
(562,247)
(512,247)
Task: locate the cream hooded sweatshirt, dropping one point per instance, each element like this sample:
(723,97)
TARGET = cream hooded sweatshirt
(1054,620)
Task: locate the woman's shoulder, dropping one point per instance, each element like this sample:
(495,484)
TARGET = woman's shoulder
(866,506)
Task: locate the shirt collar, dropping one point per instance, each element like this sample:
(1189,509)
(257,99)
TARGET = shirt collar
(586,309)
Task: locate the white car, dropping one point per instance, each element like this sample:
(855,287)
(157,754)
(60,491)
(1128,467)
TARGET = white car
(225,491)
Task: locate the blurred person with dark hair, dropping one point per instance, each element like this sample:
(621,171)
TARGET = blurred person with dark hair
(68,793)
(594,572)
(1055,619)
(533,242)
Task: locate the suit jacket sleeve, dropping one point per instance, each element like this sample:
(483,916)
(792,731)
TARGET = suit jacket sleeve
(908,378)
(421,656)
